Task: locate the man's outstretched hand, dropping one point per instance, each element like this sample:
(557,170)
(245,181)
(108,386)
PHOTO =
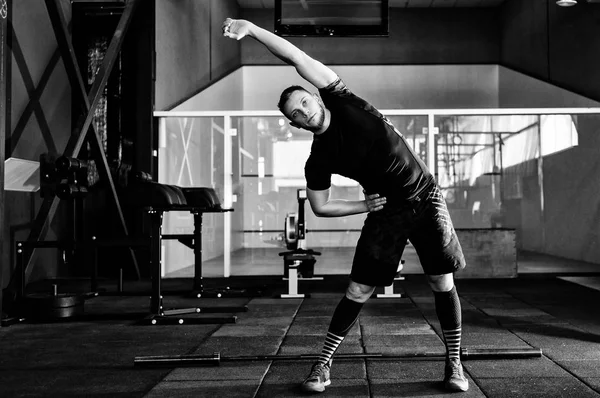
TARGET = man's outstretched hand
(235,28)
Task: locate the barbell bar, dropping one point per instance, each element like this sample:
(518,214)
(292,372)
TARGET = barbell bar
(176,361)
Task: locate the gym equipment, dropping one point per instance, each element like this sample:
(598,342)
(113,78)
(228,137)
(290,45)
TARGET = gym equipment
(83,131)
(299,262)
(291,231)
(43,306)
(47,307)
(388,291)
(295,224)
(66,178)
(294,261)
(177,361)
(155,199)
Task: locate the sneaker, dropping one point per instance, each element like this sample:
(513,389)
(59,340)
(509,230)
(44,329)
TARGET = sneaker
(454,379)
(318,378)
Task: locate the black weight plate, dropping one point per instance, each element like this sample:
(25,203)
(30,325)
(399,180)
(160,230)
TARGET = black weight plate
(55,313)
(54,301)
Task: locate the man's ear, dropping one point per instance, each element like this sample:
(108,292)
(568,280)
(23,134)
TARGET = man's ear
(317,98)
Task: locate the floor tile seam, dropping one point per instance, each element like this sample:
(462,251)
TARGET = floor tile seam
(573,322)
(596,390)
(564,368)
(427,320)
(174,382)
(279,348)
(440,336)
(334,380)
(528,377)
(202,342)
(289,327)
(406,379)
(522,334)
(513,332)
(206,379)
(524,300)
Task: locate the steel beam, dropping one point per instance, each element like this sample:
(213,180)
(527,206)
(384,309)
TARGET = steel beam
(34,95)
(5,61)
(216,359)
(84,124)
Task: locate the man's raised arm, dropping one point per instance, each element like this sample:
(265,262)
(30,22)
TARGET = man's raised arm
(310,69)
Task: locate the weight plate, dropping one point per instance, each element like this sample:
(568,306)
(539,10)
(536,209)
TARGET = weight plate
(55,313)
(291,227)
(54,301)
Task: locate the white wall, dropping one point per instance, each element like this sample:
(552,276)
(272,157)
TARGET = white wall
(386,86)
(224,95)
(393,87)
(516,90)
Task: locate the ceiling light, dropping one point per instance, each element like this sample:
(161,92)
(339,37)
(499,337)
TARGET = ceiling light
(566,3)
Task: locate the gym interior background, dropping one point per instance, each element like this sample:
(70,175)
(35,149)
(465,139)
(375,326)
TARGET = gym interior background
(502,100)
(514,55)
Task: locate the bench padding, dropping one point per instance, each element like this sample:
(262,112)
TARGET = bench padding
(144,193)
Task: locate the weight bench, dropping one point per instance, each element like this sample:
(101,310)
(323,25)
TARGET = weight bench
(388,291)
(155,199)
(298,266)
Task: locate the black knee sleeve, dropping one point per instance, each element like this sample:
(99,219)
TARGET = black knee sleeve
(344,316)
(447,307)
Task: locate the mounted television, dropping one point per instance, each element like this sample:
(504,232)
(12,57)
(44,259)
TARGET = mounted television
(331,18)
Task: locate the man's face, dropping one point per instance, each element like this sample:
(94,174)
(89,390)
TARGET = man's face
(305,111)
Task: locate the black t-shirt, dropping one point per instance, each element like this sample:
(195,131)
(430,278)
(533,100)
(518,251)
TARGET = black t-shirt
(360,143)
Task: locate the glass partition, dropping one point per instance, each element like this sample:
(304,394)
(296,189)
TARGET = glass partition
(191,154)
(489,163)
(477,159)
(484,162)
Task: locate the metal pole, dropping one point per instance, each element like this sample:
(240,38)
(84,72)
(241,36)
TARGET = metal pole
(155,261)
(4,125)
(227,194)
(216,358)
(540,170)
(198,284)
(431,144)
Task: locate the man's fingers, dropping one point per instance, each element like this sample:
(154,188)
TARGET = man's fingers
(376,204)
(226,27)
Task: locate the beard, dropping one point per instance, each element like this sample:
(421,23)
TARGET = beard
(320,119)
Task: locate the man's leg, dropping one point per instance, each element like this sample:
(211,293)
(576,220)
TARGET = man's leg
(344,317)
(447,306)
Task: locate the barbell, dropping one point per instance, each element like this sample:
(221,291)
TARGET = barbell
(176,361)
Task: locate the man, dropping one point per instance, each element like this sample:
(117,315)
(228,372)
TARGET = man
(351,138)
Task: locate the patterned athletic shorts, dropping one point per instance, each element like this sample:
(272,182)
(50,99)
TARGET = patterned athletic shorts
(424,221)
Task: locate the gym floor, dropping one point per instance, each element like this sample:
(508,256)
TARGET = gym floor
(549,307)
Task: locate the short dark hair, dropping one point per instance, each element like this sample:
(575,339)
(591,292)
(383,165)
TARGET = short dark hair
(287,93)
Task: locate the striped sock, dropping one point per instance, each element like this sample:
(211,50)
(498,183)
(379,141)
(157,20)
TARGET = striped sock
(344,317)
(447,306)
(452,340)
(332,342)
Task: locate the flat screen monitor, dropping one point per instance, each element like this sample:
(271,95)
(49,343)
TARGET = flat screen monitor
(331,18)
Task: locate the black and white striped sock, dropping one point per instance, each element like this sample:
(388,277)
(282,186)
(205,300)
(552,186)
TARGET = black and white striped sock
(452,340)
(344,317)
(332,342)
(447,306)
